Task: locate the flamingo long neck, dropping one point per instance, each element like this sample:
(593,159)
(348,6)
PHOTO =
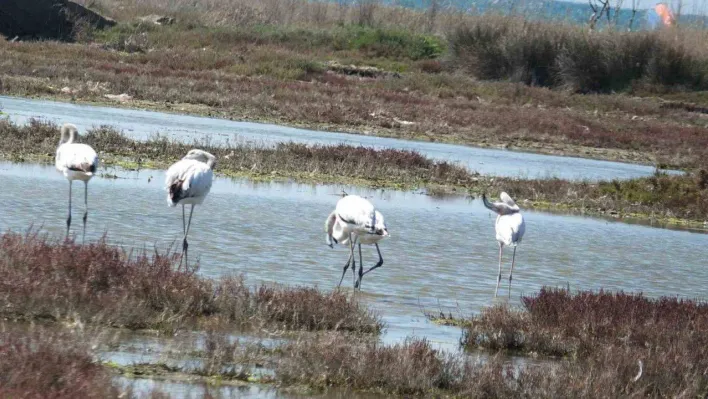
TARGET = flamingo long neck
(210,162)
(329,224)
(488,204)
(68,135)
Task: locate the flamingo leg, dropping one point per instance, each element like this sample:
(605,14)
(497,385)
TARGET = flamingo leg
(376,266)
(346,266)
(68,219)
(499,275)
(513,258)
(379,263)
(349,261)
(184,222)
(184,232)
(357,283)
(353,244)
(83,238)
(185,245)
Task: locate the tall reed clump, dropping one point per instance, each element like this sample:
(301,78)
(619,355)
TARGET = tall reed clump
(98,283)
(561,55)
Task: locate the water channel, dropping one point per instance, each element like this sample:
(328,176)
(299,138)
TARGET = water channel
(142,125)
(442,252)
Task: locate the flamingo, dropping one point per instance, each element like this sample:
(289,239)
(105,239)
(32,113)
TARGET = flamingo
(77,162)
(356,220)
(510,228)
(188,182)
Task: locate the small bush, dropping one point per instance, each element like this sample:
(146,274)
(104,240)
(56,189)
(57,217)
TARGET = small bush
(391,43)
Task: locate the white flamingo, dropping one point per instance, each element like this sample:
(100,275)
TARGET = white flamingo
(509,227)
(355,220)
(188,182)
(77,162)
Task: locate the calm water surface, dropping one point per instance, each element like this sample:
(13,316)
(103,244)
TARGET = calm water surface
(144,124)
(144,387)
(442,253)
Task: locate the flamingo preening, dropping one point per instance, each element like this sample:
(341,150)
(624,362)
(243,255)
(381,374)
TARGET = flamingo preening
(356,221)
(510,228)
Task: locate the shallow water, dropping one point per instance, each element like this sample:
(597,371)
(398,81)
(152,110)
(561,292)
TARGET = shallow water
(144,124)
(442,253)
(143,388)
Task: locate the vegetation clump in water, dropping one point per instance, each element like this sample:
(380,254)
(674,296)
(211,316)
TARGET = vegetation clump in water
(98,283)
(620,344)
(614,345)
(44,364)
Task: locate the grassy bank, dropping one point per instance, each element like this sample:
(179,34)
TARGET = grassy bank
(279,69)
(321,164)
(667,199)
(101,284)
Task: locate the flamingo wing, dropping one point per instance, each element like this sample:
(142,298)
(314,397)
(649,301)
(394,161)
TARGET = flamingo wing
(510,229)
(506,199)
(357,212)
(76,157)
(187,179)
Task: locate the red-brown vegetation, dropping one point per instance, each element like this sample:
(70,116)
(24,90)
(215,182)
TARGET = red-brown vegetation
(98,283)
(43,364)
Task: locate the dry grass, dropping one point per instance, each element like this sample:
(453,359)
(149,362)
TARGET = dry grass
(568,56)
(411,368)
(101,284)
(608,335)
(302,13)
(44,364)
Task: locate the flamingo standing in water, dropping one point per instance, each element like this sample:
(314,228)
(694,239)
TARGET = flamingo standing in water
(510,228)
(77,162)
(355,220)
(188,182)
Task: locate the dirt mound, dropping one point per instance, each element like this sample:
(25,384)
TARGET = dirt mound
(47,19)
